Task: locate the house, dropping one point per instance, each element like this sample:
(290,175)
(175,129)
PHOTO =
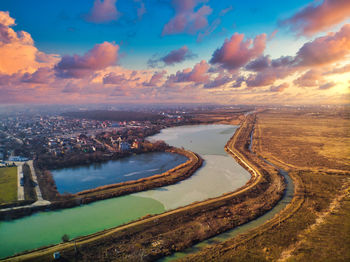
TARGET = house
(124,146)
(18,158)
(136,145)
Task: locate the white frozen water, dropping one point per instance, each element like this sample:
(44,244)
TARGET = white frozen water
(219,174)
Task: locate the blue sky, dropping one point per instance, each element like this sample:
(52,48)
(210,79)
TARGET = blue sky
(175,50)
(59,26)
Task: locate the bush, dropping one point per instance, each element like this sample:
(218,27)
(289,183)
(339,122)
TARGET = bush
(65,238)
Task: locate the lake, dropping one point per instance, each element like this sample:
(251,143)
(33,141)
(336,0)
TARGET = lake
(76,179)
(220,174)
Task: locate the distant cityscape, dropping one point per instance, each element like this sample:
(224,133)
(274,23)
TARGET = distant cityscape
(24,137)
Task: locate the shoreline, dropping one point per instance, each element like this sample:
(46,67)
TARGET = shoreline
(260,191)
(169,177)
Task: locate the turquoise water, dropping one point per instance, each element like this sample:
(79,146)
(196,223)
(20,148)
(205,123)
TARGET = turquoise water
(75,179)
(46,228)
(220,174)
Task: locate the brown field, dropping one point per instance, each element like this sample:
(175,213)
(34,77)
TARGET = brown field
(316,225)
(220,116)
(305,139)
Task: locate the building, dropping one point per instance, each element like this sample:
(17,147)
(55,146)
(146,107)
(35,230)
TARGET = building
(136,145)
(18,158)
(124,146)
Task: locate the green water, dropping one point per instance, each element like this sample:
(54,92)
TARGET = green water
(220,174)
(46,228)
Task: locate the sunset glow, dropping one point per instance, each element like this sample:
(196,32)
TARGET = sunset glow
(195,51)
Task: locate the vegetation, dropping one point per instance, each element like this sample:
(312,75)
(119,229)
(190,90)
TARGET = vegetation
(29,185)
(114,115)
(315,226)
(305,139)
(65,238)
(159,235)
(8,185)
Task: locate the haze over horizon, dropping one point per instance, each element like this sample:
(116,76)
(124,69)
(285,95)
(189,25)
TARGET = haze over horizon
(157,51)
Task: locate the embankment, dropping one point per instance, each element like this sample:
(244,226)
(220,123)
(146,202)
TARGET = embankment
(156,236)
(172,176)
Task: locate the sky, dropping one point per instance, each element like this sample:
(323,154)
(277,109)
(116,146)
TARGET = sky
(175,51)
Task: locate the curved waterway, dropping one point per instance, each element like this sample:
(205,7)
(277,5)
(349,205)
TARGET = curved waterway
(219,174)
(286,199)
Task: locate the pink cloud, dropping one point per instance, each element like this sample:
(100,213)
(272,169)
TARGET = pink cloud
(186,20)
(326,49)
(327,85)
(173,57)
(113,78)
(261,79)
(236,52)
(279,88)
(177,56)
(339,70)
(219,81)
(103,11)
(309,79)
(259,64)
(199,74)
(317,16)
(99,57)
(156,79)
(43,75)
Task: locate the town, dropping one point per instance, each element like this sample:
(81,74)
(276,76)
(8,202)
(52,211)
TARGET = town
(24,137)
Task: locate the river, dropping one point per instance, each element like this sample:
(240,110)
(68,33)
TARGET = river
(286,199)
(219,174)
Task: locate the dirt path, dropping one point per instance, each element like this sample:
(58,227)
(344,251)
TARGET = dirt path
(20,188)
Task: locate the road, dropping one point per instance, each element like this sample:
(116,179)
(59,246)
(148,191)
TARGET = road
(20,188)
(39,196)
(40,201)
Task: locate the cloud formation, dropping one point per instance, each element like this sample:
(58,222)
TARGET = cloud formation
(311,78)
(99,57)
(317,16)
(236,52)
(18,53)
(326,49)
(199,74)
(103,11)
(279,88)
(327,85)
(173,57)
(156,79)
(43,75)
(186,20)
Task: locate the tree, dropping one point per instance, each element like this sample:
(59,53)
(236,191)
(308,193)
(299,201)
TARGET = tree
(65,238)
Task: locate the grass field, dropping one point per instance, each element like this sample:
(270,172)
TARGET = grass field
(305,139)
(8,185)
(314,147)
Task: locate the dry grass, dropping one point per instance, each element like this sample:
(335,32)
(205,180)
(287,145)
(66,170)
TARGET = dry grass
(304,140)
(315,149)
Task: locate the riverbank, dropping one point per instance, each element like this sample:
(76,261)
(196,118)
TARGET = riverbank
(175,230)
(314,225)
(171,176)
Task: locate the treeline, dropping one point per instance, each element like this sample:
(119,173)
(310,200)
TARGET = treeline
(46,161)
(114,115)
